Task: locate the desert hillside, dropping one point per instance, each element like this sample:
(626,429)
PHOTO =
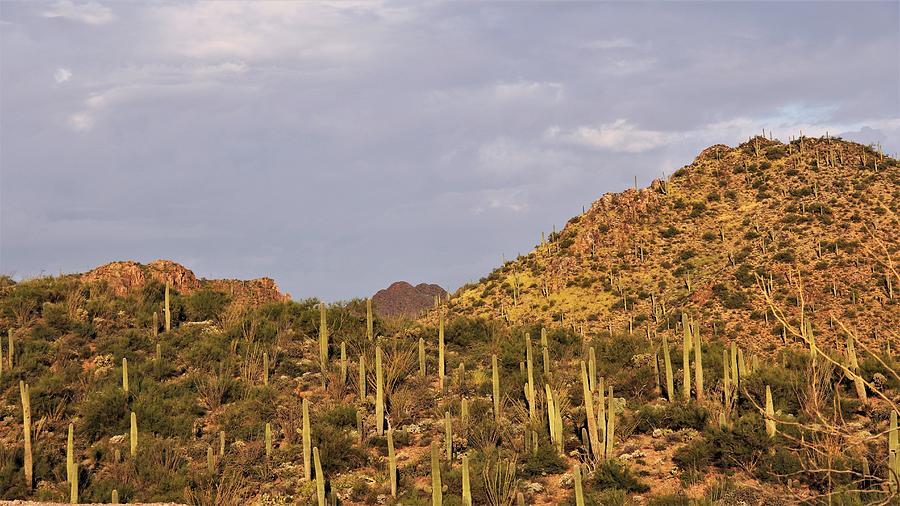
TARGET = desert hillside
(726,336)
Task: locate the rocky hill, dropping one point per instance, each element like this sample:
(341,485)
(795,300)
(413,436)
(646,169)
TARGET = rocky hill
(404,299)
(125,277)
(821,213)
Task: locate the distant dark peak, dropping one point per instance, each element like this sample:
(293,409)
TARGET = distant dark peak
(401,299)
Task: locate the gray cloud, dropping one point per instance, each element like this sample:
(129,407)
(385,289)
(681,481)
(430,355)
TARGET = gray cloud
(341,146)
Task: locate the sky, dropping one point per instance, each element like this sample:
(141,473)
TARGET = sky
(340,146)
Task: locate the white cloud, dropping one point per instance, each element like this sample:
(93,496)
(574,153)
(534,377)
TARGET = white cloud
(619,135)
(616,43)
(62,75)
(528,89)
(81,121)
(92,13)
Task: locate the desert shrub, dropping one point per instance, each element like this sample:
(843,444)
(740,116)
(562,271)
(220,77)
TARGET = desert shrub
(616,475)
(673,416)
(205,304)
(545,461)
(338,450)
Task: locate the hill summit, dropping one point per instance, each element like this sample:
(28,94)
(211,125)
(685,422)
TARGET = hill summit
(815,213)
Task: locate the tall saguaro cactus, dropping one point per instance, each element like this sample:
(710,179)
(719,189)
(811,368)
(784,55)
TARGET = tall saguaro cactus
(858,382)
(670,376)
(392,462)
(133,439)
(448,435)
(25,392)
(168,311)
(441,363)
(610,425)
(370,321)
(70,452)
(379,393)
(589,413)
(320,478)
(125,375)
(545,350)
(698,363)
(686,359)
(437,498)
(362,378)
(421,357)
(466,485)
(894,455)
(73,485)
(11,348)
(770,413)
(579,492)
(307,442)
(495,381)
(323,335)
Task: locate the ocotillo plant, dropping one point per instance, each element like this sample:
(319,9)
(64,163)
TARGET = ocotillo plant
(441,364)
(392,462)
(379,393)
(168,311)
(495,381)
(133,439)
(670,376)
(579,493)
(466,485)
(370,321)
(320,478)
(307,442)
(437,498)
(25,393)
(770,413)
(698,363)
(70,452)
(323,335)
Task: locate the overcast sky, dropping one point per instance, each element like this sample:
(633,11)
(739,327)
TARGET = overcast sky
(339,147)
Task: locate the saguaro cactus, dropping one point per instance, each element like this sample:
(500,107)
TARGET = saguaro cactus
(466,485)
(495,380)
(893,454)
(370,321)
(858,382)
(610,425)
(589,413)
(26,424)
(73,485)
(168,311)
(11,348)
(323,335)
(392,462)
(448,435)
(133,439)
(670,377)
(437,498)
(441,363)
(343,363)
(70,452)
(421,356)
(265,368)
(221,443)
(698,363)
(307,442)
(115,497)
(545,350)
(770,413)
(155,324)
(379,393)
(592,369)
(579,493)
(686,359)
(320,478)
(362,378)
(268,440)
(210,460)
(125,374)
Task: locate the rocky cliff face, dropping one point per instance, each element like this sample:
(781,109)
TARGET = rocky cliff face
(123,277)
(403,299)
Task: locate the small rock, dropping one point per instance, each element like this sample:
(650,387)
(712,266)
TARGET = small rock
(114,440)
(533,487)
(567,481)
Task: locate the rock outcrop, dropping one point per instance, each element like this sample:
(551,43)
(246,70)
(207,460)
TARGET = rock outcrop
(402,299)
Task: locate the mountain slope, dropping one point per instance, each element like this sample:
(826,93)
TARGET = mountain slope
(697,240)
